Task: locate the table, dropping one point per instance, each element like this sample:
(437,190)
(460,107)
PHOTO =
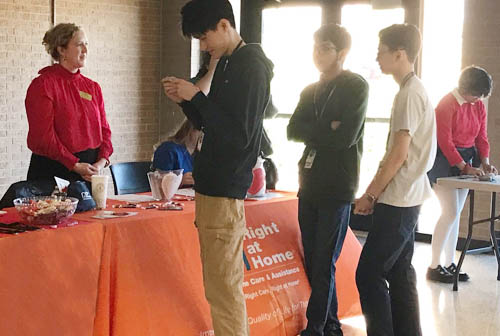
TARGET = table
(473,184)
(141,275)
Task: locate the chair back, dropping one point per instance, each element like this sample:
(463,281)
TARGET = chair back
(130,177)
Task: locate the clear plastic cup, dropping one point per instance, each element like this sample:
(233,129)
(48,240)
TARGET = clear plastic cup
(100,190)
(164,184)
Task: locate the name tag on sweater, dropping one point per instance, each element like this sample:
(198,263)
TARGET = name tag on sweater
(85,95)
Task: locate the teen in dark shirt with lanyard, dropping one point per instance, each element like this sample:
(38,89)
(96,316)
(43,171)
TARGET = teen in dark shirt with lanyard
(329,120)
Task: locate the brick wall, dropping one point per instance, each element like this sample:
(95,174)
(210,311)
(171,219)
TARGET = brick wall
(481,46)
(176,61)
(22,25)
(124,58)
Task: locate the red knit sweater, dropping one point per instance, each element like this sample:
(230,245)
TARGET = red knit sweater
(461,125)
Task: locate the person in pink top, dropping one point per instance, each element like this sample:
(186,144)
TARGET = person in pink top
(68,135)
(463,149)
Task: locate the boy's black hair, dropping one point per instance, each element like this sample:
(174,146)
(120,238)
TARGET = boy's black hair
(402,36)
(475,81)
(334,33)
(200,16)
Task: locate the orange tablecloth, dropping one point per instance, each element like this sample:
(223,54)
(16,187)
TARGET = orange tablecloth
(141,275)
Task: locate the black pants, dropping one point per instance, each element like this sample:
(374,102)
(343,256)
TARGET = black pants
(385,277)
(323,225)
(43,168)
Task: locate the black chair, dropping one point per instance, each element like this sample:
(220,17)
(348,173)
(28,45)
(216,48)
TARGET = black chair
(130,177)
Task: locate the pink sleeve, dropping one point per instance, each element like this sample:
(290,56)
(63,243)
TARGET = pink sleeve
(444,121)
(482,144)
(42,138)
(106,148)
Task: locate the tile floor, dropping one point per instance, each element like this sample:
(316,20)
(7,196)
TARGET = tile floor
(472,311)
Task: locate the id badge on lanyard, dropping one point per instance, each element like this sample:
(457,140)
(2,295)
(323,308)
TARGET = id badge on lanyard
(310,159)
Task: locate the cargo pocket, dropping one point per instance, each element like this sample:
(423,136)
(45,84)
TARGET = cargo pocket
(221,254)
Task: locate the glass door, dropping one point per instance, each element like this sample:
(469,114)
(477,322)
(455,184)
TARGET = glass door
(363,23)
(289,45)
(441,65)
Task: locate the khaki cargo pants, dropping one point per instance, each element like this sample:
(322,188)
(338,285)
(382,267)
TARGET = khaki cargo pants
(221,228)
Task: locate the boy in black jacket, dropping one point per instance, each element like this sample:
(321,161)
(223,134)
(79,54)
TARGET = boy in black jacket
(231,119)
(329,120)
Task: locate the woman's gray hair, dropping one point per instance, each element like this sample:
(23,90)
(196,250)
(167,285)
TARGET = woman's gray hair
(59,36)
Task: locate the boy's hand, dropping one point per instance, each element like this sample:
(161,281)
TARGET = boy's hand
(173,97)
(335,124)
(171,89)
(186,90)
(213,63)
(363,206)
(179,89)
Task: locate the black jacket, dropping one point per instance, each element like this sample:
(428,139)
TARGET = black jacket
(266,146)
(335,169)
(231,119)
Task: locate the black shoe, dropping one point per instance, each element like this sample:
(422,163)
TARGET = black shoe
(327,332)
(452,269)
(439,274)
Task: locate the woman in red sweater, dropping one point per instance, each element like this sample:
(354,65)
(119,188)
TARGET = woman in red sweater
(68,133)
(463,147)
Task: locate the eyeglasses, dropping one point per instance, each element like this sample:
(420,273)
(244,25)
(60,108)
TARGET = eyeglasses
(381,52)
(473,98)
(324,47)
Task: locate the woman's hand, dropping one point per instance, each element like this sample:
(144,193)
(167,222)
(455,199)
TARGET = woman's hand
(187,179)
(100,164)
(490,169)
(85,170)
(468,170)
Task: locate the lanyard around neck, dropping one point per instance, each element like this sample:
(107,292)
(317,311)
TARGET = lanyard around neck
(319,113)
(406,79)
(229,57)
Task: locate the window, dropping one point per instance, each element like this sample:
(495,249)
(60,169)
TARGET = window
(362,60)
(442,50)
(289,45)
(441,65)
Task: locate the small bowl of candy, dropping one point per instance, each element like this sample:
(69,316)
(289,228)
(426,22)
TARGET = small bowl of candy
(45,210)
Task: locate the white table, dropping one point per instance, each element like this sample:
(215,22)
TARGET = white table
(473,184)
